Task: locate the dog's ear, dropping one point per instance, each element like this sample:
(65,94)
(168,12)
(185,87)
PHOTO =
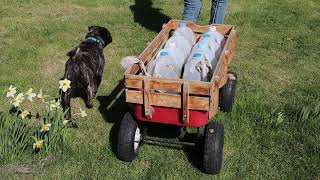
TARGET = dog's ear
(105,35)
(90,27)
(109,39)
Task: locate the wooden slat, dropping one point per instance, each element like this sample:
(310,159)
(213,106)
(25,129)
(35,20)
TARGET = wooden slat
(223,29)
(146,98)
(135,82)
(214,99)
(167,100)
(219,73)
(233,45)
(151,50)
(185,102)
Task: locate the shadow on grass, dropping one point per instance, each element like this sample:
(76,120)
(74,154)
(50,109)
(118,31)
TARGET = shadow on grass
(193,153)
(113,107)
(147,16)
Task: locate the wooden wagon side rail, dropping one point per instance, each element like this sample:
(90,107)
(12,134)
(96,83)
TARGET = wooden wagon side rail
(167,100)
(160,84)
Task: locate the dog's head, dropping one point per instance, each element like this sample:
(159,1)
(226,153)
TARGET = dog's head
(101,32)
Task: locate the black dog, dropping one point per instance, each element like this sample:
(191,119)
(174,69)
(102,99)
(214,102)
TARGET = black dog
(85,67)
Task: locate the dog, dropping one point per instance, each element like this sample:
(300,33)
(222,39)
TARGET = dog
(84,68)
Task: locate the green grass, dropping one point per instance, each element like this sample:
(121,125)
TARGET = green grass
(273,132)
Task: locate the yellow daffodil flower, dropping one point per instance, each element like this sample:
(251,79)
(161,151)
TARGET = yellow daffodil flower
(16,102)
(38,144)
(30,94)
(65,122)
(20,97)
(54,105)
(45,127)
(83,113)
(41,97)
(24,114)
(64,85)
(11,91)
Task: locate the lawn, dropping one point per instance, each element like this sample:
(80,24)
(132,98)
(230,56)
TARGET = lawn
(272,133)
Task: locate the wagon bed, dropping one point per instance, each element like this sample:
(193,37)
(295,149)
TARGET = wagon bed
(189,97)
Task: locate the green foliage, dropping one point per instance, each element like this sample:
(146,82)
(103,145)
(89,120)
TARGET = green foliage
(15,137)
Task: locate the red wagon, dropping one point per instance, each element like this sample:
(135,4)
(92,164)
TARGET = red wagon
(189,103)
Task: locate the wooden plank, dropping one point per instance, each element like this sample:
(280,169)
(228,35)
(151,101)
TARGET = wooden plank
(219,74)
(167,100)
(151,50)
(223,29)
(214,99)
(146,98)
(135,82)
(233,45)
(185,101)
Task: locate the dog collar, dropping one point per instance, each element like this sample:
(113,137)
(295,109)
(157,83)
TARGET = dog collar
(96,39)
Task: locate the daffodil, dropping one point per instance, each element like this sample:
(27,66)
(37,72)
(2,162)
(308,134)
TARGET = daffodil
(20,97)
(64,85)
(38,144)
(30,94)
(41,97)
(11,91)
(65,122)
(54,105)
(24,114)
(45,127)
(83,113)
(16,102)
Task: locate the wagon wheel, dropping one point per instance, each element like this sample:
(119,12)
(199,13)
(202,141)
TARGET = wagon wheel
(213,148)
(227,93)
(129,138)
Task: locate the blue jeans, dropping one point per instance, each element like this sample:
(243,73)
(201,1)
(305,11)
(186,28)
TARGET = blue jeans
(192,10)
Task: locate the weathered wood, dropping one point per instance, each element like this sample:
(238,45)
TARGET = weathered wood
(233,45)
(186,94)
(167,100)
(220,73)
(185,101)
(174,24)
(151,50)
(135,82)
(146,98)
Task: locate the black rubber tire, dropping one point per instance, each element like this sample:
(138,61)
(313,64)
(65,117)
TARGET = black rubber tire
(227,93)
(213,148)
(125,143)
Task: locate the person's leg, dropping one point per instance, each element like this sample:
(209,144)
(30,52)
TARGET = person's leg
(191,10)
(218,11)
